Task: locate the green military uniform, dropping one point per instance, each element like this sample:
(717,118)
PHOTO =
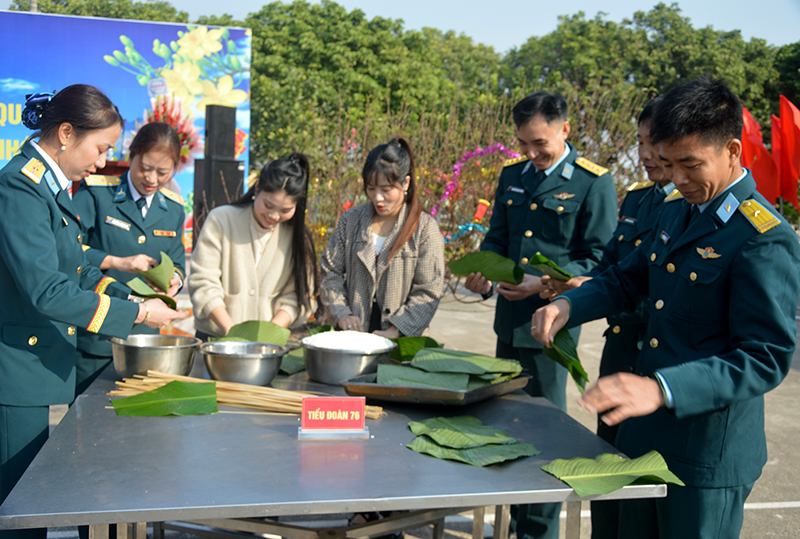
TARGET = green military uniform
(723,292)
(638,214)
(568,215)
(113,225)
(49,289)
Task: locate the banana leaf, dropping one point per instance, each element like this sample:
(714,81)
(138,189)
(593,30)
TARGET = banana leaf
(441,360)
(320,329)
(565,353)
(462,432)
(399,375)
(142,289)
(162,274)
(548,267)
(608,472)
(294,361)
(493,266)
(256,331)
(407,347)
(175,398)
(476,456)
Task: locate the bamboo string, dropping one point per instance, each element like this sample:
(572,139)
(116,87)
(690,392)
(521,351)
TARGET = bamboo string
(264,399)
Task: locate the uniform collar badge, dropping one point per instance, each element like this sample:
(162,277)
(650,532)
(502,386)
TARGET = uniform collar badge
(563,196)
(664,237)
(707,253)
(567,172)
(526,167)
(728,206)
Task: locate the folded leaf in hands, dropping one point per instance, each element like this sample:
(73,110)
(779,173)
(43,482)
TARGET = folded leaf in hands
(461,432)
(142,289)
(257,331)
(407,347)
(565,353)
(548,267)
(492,266)
(162,274)
(608,472)
(476,456)
(174,398)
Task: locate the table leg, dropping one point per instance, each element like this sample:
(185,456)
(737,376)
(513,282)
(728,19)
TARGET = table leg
(158,530)
(502,519)
(98,531)
(573,520)
(438,529)
(477,522)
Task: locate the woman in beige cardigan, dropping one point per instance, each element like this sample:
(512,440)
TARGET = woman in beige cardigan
(383,269)
(254,259)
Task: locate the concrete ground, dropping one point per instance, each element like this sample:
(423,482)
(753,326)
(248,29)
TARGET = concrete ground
(465,323)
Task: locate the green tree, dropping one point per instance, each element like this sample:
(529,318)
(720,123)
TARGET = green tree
(147,10)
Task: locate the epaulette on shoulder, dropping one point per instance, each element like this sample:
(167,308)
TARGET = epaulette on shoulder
(635,186)
(514,161)
(173,196)
(595,169)
(759,216)
(98,180)
(34,169)
(674,195)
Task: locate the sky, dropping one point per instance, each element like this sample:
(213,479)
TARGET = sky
(510,23)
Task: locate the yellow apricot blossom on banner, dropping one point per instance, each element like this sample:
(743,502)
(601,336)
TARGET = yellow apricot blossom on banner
(200,42)
(182,80)
(221,94)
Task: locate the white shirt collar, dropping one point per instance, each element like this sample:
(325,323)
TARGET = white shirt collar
(60,176)
(135,195)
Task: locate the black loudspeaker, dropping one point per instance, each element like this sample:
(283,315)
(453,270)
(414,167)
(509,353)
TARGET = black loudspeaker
(220,132)
(216,182)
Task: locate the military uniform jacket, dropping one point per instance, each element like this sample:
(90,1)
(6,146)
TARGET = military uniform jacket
(48,287)
(113,225)
(723,295)
(568,216)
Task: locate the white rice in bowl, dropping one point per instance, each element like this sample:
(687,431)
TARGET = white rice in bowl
(351,341)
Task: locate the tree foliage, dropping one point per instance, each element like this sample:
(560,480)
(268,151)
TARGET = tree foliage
(146,10)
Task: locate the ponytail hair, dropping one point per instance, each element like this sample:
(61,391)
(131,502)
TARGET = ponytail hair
(291,176)
(395,161)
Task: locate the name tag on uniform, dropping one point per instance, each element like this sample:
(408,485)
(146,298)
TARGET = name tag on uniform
(628,220)
(117,223)
(664,237)
(515,189)
(164,233)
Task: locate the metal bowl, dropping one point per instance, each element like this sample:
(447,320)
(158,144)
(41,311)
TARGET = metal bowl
(252,363)
(332,366)
(137,354)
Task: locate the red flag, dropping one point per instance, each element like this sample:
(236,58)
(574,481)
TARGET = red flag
(790,151)
(756,157)
(777,154)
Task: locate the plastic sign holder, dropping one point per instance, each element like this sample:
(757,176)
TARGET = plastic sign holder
(333,417)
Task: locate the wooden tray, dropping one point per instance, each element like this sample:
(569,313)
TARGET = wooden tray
(365,386)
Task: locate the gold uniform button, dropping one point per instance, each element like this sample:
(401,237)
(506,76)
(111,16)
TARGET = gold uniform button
(78,270)
(524,260)
(560,209)
(79,238)
(616,329)
(534,206)
(654,343)
(70,331)
(510,202)
(653,257)
(660,304)
(32,340)
(671,267)
(693,276)
(621,237)
(142,238)
(637,243)
(528,233)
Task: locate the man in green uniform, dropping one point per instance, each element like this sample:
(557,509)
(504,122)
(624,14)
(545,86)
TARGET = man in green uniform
(720,271)
(552,201)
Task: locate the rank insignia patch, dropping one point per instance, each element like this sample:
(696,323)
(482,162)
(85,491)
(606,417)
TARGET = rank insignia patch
(708,252)
(664,237)
(34,169)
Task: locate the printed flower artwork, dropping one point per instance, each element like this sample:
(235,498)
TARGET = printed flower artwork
(183,81)
(221,94)
(200,42)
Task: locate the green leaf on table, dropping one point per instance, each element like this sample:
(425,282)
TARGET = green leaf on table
(162,274)
(294,361)
(608,472)
(142,289)
(548,267)
(565,353)
(444,360)
(461,432)
(257,331)
(320,329)
(407,347)
(175,398)
(476,456)
(492,266)
(400,375)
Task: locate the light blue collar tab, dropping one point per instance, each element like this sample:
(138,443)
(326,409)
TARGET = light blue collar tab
(727,208)
(162,201)
(122,192)
(567,172)
(526,168)
(51,182)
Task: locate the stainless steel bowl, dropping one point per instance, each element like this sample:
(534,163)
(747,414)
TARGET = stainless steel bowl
(137,354)
(252,363)
(332,366)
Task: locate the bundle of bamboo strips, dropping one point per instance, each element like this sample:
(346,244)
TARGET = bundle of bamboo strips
(267,399)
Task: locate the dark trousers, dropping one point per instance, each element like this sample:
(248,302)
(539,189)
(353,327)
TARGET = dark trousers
(87,368)
(549,380)
(23,432)
(686,513)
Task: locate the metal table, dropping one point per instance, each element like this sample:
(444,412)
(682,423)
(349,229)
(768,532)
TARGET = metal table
(98,468)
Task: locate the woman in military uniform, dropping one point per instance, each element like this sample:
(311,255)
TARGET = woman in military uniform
(48,287)
(127,222)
